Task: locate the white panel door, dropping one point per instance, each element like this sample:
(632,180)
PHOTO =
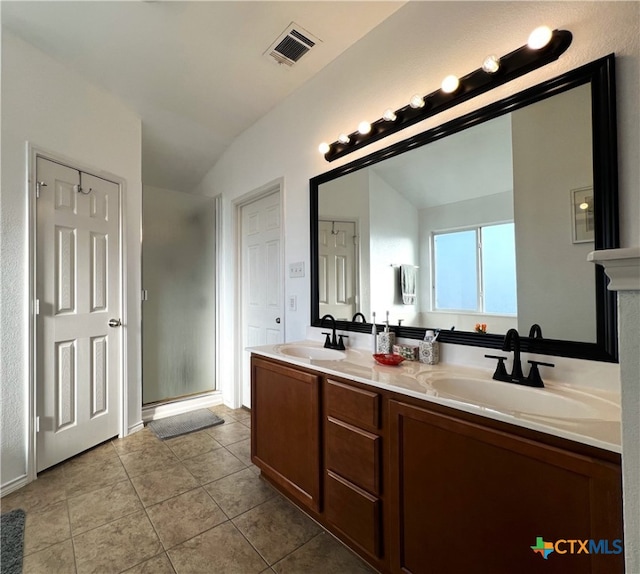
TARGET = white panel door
(337,268)
(261,280)
(78,288)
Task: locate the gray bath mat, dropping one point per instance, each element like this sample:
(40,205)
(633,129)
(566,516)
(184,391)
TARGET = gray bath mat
(185,423)
(11,541)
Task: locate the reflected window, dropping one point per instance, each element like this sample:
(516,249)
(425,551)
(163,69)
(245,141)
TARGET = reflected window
(486,253)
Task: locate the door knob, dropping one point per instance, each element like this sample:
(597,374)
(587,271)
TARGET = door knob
(278,320)
(115,322)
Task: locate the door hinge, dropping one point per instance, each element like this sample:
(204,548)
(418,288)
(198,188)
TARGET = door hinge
(36,308)
(37,424)
(144,295)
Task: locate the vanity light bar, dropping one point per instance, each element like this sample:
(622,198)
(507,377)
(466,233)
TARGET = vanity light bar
(515,64)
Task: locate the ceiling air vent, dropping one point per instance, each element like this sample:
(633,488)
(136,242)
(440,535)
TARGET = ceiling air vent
(291,45)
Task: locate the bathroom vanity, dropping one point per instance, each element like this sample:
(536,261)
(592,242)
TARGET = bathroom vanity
(423,468)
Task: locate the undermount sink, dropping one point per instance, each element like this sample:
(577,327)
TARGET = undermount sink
(312,353)
(512,398)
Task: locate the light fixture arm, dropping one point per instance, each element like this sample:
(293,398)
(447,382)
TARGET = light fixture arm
(513,65)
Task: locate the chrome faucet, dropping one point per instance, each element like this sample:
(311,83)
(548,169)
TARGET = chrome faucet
(512,341)
(332,341)
(354,319)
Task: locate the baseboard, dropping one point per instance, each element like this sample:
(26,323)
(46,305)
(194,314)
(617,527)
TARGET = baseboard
(14,485)
(135,428)
(154,412)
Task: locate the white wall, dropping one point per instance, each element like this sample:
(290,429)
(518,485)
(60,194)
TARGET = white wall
(47,105)
(411,52)
(394,242)
(629,311)
(555,133)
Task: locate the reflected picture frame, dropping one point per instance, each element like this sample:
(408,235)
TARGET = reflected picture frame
(582,215)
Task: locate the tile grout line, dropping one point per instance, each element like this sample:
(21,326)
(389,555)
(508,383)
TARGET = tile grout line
(73,550)
(228,520)
(127,514)
(298,548)
(115,519)
(255,548)
(199,486)
(263,558)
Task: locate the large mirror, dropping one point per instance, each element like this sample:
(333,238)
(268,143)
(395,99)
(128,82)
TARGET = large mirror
(487,219)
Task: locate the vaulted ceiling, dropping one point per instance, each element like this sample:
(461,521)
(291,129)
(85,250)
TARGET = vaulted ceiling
(195,72)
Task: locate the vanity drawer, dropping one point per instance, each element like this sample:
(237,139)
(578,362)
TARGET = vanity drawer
(354,512)
(353,405)
(353,453)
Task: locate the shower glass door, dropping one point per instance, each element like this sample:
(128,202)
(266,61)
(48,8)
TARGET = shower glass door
(178,278)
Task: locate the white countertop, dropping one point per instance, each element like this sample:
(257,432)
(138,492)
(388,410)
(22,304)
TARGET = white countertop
(596,413)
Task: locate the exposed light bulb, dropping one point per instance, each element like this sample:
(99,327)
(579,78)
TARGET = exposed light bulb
(344,139)
(584,205)
(364,127)
(491,64)
(450,84)
(416,102)
(540,37)
(324,147)
(389,115)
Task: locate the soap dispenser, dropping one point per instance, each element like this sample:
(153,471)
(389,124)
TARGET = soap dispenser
(386,339)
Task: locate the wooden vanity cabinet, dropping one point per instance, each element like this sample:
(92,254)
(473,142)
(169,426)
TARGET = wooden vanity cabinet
(285,422)
(468,498)
(419,488)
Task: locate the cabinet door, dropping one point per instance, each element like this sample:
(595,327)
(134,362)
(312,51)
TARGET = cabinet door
(285,434)
(465,498)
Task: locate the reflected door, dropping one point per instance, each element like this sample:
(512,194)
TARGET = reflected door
(179,281)
(79,323)
(337,268)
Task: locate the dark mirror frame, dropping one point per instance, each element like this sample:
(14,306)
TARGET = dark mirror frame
(601,75)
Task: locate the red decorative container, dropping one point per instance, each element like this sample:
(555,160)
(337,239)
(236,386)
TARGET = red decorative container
(388,359)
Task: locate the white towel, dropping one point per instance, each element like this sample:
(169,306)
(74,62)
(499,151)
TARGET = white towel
(408,284)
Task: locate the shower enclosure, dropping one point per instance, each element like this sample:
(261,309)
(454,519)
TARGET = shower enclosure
(178,278)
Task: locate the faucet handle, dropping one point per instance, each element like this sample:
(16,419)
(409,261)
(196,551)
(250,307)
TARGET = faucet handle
(341,346)
(500,373)
(534,363)
(327,341)
(534,379)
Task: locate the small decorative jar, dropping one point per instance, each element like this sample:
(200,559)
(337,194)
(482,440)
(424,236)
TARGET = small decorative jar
(386,341)
(430,352)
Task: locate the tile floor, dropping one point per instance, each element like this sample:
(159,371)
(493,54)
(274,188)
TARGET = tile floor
(190,505)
